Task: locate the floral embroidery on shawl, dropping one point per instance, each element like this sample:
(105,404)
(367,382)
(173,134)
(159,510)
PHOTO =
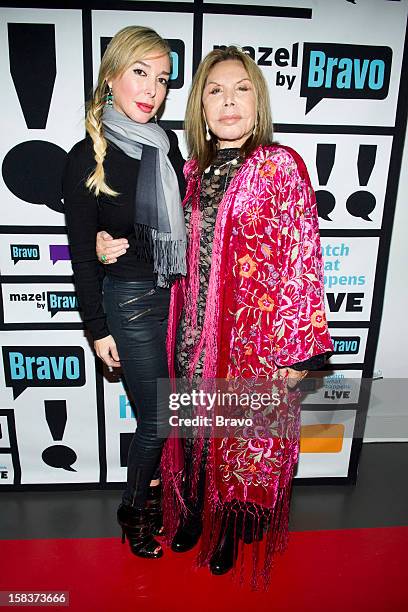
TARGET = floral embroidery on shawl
(273,294)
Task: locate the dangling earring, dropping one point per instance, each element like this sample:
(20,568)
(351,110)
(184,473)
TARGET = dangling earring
(207,133)
(155,118)
(108,99)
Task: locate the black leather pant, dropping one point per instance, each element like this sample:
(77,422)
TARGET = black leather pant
(137,314)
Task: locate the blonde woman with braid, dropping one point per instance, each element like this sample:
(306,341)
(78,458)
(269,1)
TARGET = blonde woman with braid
(125,177)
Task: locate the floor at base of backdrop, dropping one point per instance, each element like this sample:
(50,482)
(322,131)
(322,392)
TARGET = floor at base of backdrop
(347,551)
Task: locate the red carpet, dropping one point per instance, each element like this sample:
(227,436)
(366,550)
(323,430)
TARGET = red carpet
(347,570)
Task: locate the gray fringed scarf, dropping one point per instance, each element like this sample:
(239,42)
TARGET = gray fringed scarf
(157,204)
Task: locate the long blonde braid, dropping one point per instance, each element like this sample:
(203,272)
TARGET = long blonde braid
(93,123)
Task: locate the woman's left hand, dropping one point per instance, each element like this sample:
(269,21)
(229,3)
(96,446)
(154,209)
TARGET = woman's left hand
(109,249)
(293,377)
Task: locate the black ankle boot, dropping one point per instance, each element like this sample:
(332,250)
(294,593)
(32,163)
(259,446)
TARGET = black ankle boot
(154,509)
(188,533)
(136,527)
(226,552)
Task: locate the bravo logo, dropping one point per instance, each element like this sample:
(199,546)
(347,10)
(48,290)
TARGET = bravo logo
(344,71)
(24,252)
(346,345)
(61,301)
(57,301)
(43,366)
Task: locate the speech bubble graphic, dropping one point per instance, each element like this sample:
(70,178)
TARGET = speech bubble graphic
(24,252)
(59,252)
(43,366)
(41,181)
(332,70)
(325,203)
(60,456)
(61,301)
(361,204)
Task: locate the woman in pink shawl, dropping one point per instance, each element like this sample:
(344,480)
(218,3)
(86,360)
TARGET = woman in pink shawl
(251,308)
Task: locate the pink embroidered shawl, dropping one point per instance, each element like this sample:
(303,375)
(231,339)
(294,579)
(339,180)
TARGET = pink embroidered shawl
(265,310)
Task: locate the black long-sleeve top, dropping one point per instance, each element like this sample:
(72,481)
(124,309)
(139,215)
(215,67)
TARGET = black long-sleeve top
(87,214)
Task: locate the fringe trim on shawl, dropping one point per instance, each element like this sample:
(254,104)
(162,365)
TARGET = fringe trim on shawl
(172,464)
(169,256)
(191,284)
(173,505)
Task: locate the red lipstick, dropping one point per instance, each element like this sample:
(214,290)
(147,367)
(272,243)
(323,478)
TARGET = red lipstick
(145,108)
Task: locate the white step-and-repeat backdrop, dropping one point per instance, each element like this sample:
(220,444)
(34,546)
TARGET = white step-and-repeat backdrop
(334,71)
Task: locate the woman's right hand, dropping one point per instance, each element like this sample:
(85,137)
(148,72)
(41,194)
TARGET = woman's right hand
(108,249)
(106,350)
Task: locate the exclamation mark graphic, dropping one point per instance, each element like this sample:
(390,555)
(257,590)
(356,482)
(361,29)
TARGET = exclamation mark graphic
(362,203)
(326,201)
(33,68)
(58,455)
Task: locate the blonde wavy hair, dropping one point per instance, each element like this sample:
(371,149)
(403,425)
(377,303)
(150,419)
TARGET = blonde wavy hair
(127,47)
(205,151)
